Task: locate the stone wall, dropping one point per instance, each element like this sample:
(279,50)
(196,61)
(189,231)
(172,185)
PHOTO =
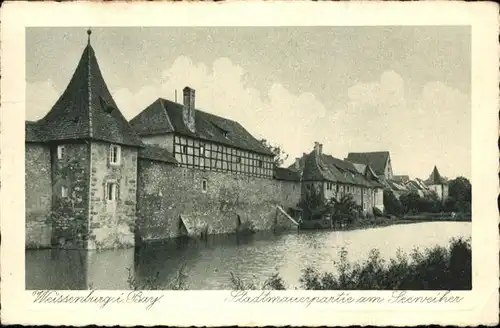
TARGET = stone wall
(441,191)
(69,216)
(38,195)
(379,199)
(172,202)
(111,223)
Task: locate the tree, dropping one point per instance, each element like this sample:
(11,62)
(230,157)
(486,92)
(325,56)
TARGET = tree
(392,204)
(430,203)
(280,156)
(411,202)
(345,208)
(459,195)
(312,201)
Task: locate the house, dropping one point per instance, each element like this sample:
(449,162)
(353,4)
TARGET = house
(326,177)
(401,179)
(438,184)
(198,139)
(95,181)
(379,161)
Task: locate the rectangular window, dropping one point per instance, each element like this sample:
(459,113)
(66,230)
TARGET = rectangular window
(184,149)
(64,192)
(238,159)
(204,185)
(260,163)
(202,151)
(111,191)
(60,152)
(114,154)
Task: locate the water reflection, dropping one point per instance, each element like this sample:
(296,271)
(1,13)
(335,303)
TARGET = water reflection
(208,263)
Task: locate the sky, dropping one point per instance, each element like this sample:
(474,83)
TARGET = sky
(403,89)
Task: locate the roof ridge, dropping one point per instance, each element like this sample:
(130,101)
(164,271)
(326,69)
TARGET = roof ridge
(165,112)
(199,110)
(89,88)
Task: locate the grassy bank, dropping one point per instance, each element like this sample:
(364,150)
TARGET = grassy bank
(436,268)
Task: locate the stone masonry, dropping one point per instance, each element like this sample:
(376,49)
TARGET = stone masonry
(172,201)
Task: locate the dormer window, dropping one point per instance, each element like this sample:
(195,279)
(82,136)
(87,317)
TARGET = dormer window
(115,154)
(61,152)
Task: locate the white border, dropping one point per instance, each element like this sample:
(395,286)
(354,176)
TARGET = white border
(480,305)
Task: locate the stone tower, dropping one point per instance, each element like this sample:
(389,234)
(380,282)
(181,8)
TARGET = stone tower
(93,160)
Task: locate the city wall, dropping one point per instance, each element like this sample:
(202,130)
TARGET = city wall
(173,202)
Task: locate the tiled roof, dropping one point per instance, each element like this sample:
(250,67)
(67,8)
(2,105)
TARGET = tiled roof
(157,154)
(165,116)
(401,178)
(285,174)
(421,184)
(377,160)
(396,186)
(325,167)
(33,132)
(435,178)
(86,110)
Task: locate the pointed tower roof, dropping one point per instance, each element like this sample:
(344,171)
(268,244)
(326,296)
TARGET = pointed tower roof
(435,178)
(86,109)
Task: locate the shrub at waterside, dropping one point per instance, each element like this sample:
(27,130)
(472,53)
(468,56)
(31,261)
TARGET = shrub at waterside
(436,268)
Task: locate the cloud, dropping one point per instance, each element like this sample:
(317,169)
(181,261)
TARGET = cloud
(426,128)
(421,129)
(280,116)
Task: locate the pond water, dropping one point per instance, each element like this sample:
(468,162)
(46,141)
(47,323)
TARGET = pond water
(208,263)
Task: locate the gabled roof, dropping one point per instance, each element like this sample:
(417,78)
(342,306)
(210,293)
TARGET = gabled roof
(328,168)
(435,178)
(396,186)
(401,178)
(85,110)
(421,184)
(377,160)
(281,173)
(165,116)
(155,153)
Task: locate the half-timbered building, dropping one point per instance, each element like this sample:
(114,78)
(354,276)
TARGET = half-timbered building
(201,140)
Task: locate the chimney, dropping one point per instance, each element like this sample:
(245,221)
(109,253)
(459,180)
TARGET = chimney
(188,111)
(318,148)
(297,163)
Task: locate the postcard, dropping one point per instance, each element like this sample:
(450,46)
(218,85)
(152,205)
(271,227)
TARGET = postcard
(249,163)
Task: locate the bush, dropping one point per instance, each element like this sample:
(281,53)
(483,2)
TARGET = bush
(392,204)
(154,282)
(275,282)
(436,268)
